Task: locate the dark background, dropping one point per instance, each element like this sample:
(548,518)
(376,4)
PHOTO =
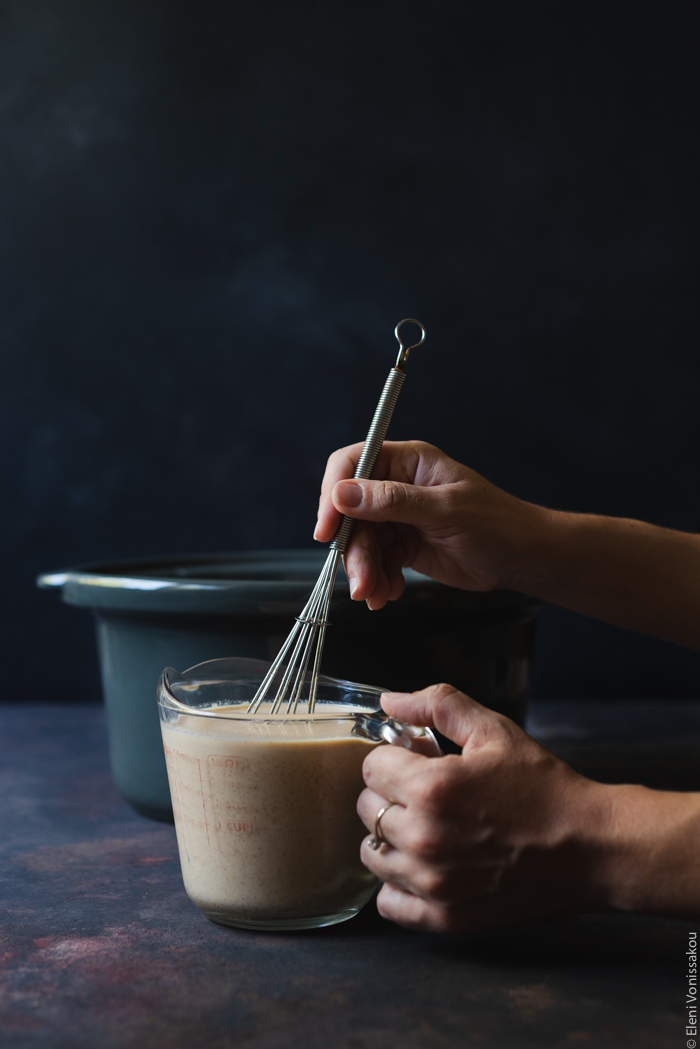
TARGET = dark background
(212,214)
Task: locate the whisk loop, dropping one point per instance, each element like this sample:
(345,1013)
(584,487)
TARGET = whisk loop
(404,351)
(309,632)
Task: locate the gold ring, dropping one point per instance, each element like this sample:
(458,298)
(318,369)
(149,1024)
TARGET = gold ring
(377,839)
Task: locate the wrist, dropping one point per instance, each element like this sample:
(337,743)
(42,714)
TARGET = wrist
(651,852)
(537,537)
(592,861)
(638,849)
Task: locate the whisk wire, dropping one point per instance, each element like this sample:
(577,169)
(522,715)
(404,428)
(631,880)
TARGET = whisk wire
(310,627)
(313,686)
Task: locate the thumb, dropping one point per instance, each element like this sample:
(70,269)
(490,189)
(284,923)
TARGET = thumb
(446,709)
(390,501)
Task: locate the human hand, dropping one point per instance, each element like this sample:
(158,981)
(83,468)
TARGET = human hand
(424,511)
(505,833)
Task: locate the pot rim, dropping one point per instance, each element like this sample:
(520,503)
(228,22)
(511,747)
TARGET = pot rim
(246,582)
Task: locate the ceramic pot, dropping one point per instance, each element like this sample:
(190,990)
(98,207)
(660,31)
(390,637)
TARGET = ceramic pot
(180,611)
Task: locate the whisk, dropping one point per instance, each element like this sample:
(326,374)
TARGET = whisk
(309,632)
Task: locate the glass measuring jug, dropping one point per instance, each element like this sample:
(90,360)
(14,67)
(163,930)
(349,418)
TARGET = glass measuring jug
(264,805)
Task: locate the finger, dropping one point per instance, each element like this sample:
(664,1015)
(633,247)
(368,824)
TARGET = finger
(390,865)
(431,508)
(407,462)
(413,912)
(373,564)
(363,561)
(341,464)
(483,911)
(397,459)
(396,553)
(388,771)
(370,804)
(445,708)
(380,595)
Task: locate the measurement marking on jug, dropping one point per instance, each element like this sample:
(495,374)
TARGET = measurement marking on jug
(179,809)
(227,762)
(177,753)
(241,828)
(204,804)
(174,782)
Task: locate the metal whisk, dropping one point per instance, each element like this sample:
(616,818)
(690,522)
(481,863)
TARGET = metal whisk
(309,632)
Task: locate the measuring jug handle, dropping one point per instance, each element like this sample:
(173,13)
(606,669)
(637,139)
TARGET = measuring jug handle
(380,728)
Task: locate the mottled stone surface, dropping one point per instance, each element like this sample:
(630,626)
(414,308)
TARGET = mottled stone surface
(100,947)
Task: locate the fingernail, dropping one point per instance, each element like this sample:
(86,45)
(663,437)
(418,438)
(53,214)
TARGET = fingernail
(316,532)
(348,493)
(353,585)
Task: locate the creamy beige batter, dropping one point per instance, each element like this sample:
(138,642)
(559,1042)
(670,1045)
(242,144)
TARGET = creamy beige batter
(265,815)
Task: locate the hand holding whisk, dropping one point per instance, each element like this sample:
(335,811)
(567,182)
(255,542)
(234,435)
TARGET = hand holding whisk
(309,632)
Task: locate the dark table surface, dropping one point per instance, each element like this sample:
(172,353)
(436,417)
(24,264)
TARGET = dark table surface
(100,947)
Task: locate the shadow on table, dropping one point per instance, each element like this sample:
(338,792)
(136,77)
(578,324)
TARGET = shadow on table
(578,941)
(589,941)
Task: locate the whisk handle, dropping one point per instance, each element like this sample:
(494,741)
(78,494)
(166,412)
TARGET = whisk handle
(373,442)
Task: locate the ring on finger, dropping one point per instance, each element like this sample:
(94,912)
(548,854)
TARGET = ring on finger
(377,838)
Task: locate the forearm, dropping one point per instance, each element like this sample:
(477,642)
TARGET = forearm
(625,572)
